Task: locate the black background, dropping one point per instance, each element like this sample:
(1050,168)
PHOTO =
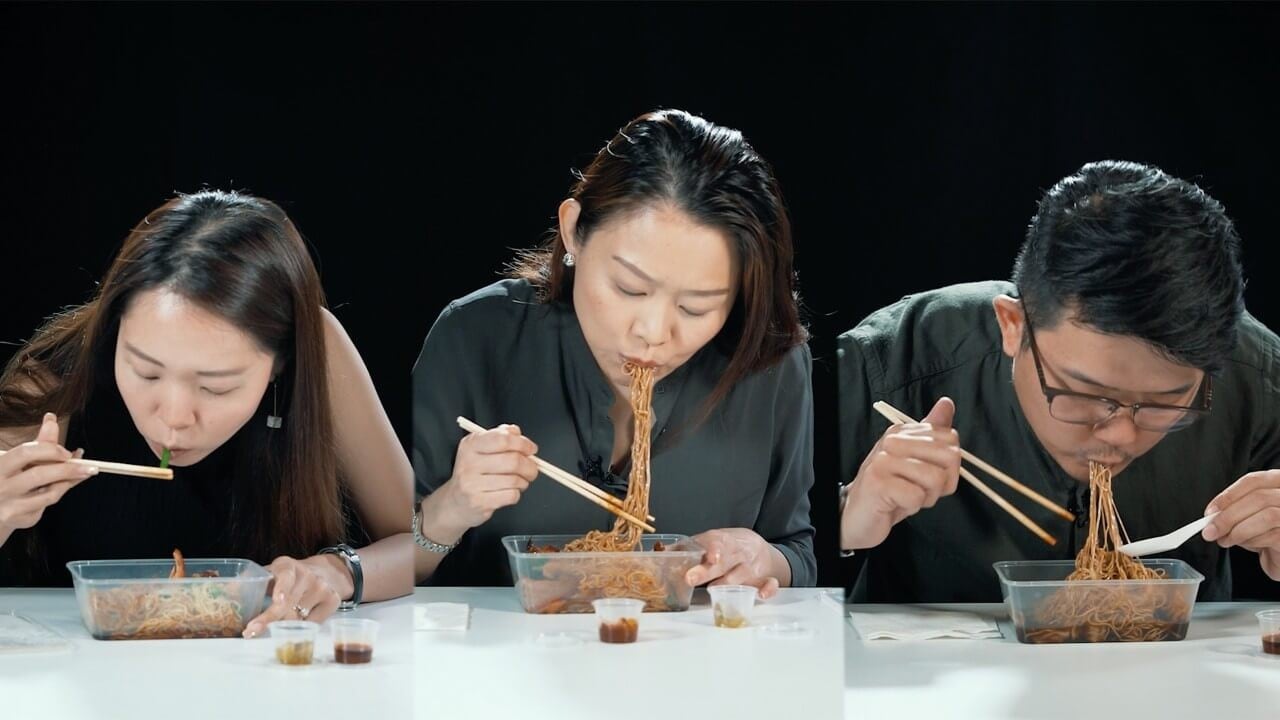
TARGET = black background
(415,144)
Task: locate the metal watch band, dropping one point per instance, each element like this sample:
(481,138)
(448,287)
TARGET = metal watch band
(423,541)
(352,559)
(844,498)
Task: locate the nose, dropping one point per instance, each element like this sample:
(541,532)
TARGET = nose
(1118,430)
(653,324)
(177,411)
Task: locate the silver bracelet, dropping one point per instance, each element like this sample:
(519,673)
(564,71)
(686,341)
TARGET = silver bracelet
(423,541)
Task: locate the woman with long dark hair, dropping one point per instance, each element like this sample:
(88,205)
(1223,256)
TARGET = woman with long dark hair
(208,338)
(673,250)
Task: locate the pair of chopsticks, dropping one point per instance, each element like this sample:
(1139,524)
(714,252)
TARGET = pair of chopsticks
(574,483)
(115,468)
(898,417)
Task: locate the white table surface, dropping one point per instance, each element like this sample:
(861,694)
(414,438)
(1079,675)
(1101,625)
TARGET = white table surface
(681,666)
(1217,672)
(190,679)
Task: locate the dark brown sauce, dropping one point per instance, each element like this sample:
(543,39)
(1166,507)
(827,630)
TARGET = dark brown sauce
(1086,633)
(352,653)
(623,631)
(1271,644)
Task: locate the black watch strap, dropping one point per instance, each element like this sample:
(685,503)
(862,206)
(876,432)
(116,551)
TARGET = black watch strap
(352,559)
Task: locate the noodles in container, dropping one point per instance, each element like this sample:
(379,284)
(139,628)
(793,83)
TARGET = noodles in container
(168,599)
(1105,595)
(564,574)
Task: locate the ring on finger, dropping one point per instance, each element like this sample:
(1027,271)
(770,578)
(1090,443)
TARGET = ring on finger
(302,612)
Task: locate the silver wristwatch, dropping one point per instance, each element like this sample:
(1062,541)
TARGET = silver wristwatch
(422,540)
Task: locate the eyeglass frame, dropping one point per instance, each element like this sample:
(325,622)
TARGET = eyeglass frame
(1204,395)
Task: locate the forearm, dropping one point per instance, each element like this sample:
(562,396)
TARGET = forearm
(384,566)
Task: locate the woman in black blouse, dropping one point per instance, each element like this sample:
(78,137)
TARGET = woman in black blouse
(673,250)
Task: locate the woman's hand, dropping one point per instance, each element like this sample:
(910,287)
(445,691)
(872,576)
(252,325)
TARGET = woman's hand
(909,469)
(739,556)
(309,589)
(34,476)
(490,471)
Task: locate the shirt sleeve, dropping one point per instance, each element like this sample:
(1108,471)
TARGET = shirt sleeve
(858,431)
(440,394)
(784,515)
(1265,443)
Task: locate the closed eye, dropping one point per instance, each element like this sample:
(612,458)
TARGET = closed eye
(629,293)
(216,392)
(693,313)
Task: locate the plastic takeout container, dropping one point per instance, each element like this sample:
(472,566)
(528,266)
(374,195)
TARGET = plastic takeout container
(1047,608)
(136,600)
(561,582)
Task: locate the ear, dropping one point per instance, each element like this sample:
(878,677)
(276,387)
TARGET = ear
(568,216)
(1012,323)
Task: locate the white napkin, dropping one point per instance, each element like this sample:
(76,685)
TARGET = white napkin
(441,616)
(923,624)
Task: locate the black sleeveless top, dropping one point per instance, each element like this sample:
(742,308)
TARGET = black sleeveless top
(120,517)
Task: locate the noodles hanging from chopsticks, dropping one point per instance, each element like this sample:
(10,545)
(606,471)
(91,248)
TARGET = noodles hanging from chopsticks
(621,577)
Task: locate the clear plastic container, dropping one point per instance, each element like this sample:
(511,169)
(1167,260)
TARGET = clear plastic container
(1269,625)
(619,619)
(295,641)
(560,582)
(731,605)
(1046,608)
(136,600)
(353,640)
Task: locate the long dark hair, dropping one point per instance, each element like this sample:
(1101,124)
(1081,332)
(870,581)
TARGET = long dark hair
(712,174)
(240,258)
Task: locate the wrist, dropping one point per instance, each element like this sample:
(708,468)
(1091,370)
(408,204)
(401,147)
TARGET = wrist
(435,523)
(336,572)
(781,566)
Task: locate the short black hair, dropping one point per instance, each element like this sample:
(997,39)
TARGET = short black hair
(1133,251)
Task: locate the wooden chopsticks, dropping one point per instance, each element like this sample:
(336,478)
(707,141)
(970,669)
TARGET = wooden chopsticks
(898,417)
(574,483)
(115,468)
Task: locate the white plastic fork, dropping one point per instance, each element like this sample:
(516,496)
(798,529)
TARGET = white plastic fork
(1164,543)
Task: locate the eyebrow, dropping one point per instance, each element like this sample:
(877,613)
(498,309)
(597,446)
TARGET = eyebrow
(1076,375)
(645,276)
(201,373)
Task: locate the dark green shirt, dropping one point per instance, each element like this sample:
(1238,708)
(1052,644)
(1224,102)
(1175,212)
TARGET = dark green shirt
(947,342)
(499,356)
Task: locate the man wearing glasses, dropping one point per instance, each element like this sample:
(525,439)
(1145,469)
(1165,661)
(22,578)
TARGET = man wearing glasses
(1122,340)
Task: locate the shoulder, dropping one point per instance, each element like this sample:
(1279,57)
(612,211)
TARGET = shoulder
(1257,353)
(924,333)
(501,320)
(502,301)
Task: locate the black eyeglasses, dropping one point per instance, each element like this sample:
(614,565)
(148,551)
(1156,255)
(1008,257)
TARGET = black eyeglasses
(1085,409)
